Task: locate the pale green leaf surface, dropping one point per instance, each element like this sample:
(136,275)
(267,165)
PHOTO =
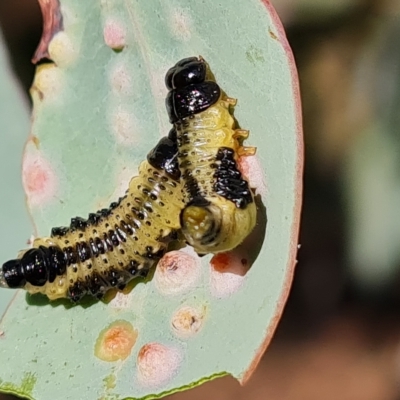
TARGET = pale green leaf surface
(87,162)
(15,226)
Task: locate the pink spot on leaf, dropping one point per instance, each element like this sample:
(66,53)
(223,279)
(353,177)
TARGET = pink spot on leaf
(114,34)
(252,169)
(177,272)
(39,179)
(157,364)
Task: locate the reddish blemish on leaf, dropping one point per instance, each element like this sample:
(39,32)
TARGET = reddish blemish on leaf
(220,262)
(116,341)
(228,272)
(157,364)
(52,23)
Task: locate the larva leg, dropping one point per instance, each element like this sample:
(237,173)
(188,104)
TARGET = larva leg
(231,101)
(241,134)
(245,151)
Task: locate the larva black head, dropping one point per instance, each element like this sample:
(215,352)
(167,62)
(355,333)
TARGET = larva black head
(189,91)
(185,72)
(164,156)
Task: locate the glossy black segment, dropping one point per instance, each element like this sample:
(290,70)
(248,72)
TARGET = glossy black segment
(100,245)
(127,228)
(113,237)
(59,231)
(83,251)
(70,255)
(172,135)
(170,73)
(164,157)
(13,275)
(93,248)
(77,291)
(121,235)
(56,261)
(108,245)
(35,267)
(191,72)
(192,99)
(229,182)
(78,223)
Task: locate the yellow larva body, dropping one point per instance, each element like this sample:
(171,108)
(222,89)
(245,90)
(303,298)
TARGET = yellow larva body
(222,225)
(109,248)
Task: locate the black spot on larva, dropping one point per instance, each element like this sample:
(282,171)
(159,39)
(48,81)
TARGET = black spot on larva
(95,284)
(229,182)
(114,277)
(59,231)
(78,223)
(133,267)
(77,291)
(94,218)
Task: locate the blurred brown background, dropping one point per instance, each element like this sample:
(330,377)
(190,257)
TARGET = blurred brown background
(340,334)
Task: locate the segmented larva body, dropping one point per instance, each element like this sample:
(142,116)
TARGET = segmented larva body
(113,245)
(220,211)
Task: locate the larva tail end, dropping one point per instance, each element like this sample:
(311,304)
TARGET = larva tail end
(3,283)
(11,275)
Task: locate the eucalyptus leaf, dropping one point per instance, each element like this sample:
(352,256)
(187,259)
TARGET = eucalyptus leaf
(98,110)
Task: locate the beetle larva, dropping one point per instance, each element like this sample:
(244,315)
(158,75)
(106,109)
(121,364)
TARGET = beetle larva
(113,245)
(220,211)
